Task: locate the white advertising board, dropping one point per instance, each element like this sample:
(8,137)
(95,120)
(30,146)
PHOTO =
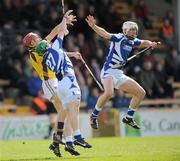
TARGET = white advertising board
(85,125)
(34,127)
(23,127)
(162,122)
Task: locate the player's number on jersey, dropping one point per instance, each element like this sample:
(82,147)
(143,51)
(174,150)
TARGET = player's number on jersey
(50,62)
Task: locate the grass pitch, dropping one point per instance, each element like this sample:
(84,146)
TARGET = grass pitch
(104,149)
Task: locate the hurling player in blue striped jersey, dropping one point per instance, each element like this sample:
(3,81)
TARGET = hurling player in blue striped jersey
(120,48)
(68,89)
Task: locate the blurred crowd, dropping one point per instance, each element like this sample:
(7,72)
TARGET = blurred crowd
(17,17)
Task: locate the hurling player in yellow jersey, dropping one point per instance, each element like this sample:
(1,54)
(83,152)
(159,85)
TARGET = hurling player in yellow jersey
(50,81)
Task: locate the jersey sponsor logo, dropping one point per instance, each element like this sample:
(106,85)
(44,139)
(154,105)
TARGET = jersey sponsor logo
(127,47)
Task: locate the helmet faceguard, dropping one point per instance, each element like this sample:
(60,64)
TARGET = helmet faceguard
(129,25)
(27,40)
(41,47)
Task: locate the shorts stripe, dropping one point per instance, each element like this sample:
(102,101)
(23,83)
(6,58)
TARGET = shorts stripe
(49,87)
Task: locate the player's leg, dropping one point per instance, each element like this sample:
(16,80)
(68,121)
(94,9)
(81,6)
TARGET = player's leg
(133,88)
(66,93)
(60,119)
(69,91)
(68,129)
(57,135)
(49,88)
(73,116)
(105,96)
(68,136)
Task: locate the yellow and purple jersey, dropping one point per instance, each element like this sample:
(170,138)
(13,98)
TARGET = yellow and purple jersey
(40,66)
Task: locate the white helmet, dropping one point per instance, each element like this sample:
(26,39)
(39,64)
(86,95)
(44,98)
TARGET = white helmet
(129,25)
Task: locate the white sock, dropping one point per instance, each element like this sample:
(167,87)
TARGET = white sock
(77,132)
(69,139)
(97,108)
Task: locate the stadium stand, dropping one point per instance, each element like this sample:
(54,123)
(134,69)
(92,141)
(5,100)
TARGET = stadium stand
(13,84)
(176,86)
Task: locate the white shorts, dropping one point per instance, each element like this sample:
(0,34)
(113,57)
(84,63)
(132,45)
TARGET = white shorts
(49,87)
(68,90)
(118,76)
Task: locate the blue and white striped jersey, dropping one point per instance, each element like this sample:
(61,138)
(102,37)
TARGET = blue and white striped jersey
(57,60)
(119,50)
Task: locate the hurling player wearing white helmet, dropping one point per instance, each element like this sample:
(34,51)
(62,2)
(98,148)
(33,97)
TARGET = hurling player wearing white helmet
(120,48)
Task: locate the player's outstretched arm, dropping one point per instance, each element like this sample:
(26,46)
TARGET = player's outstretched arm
(52,34)
(99,30)
(76,55)
(63,25)
(147,43)
(69,21)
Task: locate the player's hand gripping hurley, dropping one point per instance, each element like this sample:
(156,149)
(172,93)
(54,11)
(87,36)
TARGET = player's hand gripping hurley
(119,66)
(78,56)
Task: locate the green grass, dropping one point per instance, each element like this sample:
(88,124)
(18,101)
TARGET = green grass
(104,149)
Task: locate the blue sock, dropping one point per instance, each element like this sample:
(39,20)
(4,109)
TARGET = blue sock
(69,143)
(77,134)
(130,113)
(95,112)
(77,137)
(69,140)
